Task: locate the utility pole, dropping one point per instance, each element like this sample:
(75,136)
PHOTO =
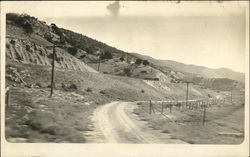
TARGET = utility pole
(204,115)
(187,94)
(52,85)
(99,63)
(232,96)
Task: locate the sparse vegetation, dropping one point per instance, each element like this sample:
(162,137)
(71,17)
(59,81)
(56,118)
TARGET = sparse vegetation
(106,55)
(122,59)
(21,20)
(128,71)
(72,50)
(89,89)
(145,62)
(138,61)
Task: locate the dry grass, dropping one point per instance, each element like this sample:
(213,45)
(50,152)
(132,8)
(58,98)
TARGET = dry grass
(187,125)
(38,118)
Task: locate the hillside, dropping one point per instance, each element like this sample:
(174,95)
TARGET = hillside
(222,78)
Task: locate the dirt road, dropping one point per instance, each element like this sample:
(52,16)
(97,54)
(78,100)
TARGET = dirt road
(116,123)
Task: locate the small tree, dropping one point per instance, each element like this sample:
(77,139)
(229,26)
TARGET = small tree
(72,50)
(106,55)
(138,61)
(28,28)
(127,71)
(145,62)
(89,50)
(122,59)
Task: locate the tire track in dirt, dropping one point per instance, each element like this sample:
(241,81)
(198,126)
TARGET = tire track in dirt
(115,123)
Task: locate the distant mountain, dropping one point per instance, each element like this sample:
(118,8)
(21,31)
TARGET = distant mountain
(193,70)
(228,73)
(201,71)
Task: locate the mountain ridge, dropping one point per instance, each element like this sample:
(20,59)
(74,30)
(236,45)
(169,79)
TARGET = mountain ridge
(222,72)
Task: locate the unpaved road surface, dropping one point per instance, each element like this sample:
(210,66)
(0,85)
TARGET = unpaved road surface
(116,123)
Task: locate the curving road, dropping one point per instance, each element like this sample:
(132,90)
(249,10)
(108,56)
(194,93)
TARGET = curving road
(116,123)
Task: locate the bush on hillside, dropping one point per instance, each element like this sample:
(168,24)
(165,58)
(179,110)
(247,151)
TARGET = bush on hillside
(122,59)
(72,50)
(138,61)
(127,72)
(28,28)
(145,62)
(89,50)
(21,21)
(106,55)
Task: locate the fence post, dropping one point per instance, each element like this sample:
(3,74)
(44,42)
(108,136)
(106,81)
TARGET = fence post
(187,95)
(162,108)
(204,115)
(150,107)
(170,107)
(8,97)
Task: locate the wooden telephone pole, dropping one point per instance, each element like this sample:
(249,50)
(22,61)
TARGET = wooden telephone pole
(52,85)
(232,96)
(99,62)
(187,94)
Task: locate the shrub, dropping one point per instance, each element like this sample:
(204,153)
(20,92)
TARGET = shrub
(143,71)
(28,28)
(106,55)
(21,20)
(89,89)
(102,92)
(27,47)
(89,50)
(82,56)
(122,59)
(145,62)
(72,50)
(13,42)
(127,71)
(138,61)
(73,87)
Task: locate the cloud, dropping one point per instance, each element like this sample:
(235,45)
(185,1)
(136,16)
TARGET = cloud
(114,8)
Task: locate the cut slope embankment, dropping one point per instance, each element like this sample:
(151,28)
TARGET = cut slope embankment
(25,51)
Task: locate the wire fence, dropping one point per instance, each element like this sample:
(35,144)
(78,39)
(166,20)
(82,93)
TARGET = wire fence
(167,108)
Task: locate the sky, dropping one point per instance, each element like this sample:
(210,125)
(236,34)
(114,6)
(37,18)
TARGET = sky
(209,34)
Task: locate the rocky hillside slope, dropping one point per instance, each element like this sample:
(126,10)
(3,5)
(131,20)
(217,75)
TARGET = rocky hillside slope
(33,48)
